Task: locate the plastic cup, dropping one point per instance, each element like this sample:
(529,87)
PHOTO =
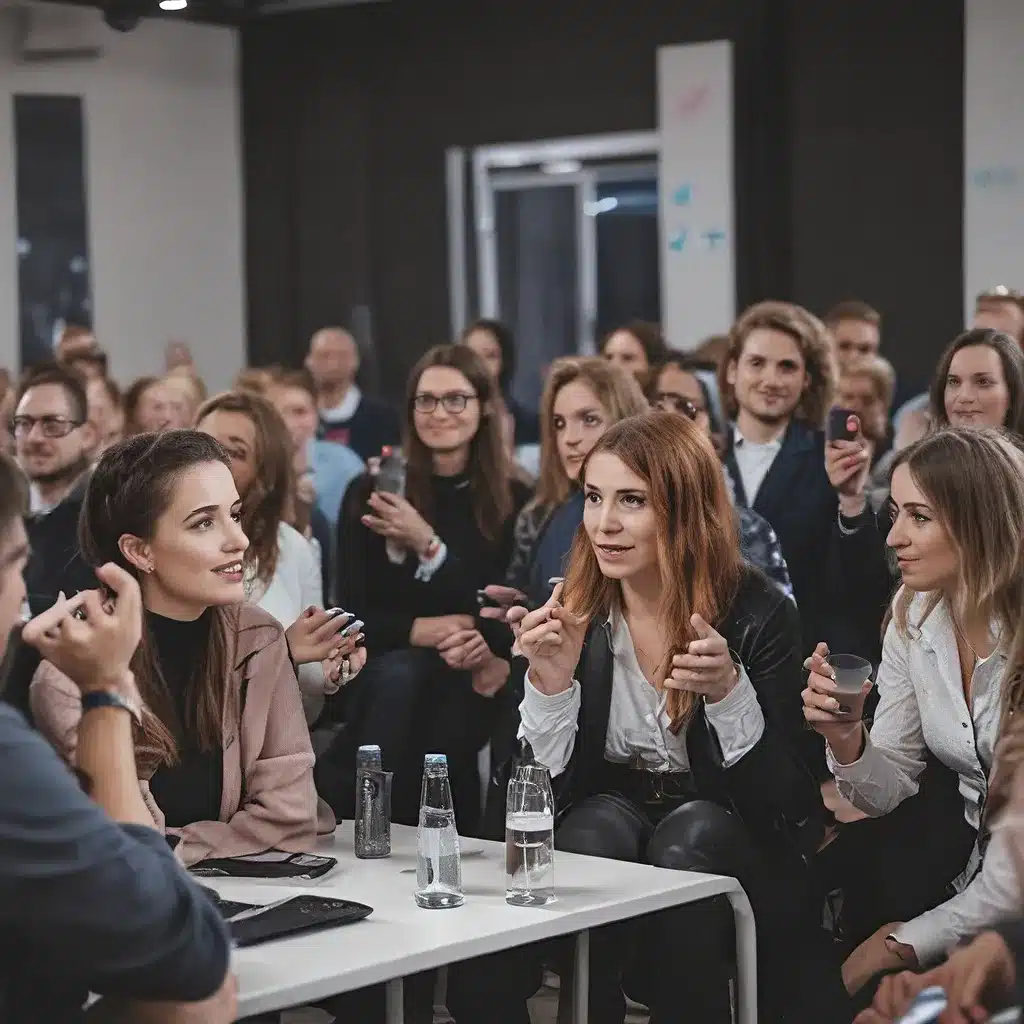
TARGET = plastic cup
(851,673)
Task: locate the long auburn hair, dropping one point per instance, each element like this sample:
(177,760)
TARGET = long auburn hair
(698,548)
(269,499)
(618,393)
(974,482)
(131,487)
(814,341)
(1010,357)
(489,468)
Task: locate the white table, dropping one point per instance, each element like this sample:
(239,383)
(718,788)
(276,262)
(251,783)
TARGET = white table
(400,939)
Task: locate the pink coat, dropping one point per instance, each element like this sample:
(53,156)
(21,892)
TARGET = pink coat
(268,798)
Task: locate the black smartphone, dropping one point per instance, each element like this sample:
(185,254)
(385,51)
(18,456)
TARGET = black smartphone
(838,428)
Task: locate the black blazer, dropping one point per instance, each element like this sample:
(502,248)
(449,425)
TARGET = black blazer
(771,787)
(798,501)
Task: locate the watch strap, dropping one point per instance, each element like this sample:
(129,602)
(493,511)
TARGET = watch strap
(108,699)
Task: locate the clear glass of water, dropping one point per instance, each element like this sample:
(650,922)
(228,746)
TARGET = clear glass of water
(530,838)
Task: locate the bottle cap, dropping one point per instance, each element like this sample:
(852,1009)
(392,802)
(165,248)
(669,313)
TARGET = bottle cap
(369,748)
(435,759)
(385,451)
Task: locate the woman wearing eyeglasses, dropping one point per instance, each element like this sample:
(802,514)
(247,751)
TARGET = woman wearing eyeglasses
(676,387)
(411,565)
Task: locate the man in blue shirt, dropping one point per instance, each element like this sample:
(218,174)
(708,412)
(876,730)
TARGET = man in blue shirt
(332,467)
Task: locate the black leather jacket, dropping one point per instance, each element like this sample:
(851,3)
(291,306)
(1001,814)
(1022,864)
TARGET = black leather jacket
(771,787)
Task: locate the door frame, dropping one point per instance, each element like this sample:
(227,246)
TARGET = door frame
(532,165)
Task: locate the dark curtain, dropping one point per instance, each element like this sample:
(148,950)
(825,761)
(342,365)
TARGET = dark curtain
(848,150)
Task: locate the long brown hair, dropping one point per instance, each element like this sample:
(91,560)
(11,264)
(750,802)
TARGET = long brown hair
(130,489)
(489,467)
(1010,357)
(812,338)
(268,501)
(619,394)
(698,548)
(974,482)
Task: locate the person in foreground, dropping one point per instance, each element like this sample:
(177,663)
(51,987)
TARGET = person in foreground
(987,974)
(91,897)
(665,750)
(945,692)
(224,755)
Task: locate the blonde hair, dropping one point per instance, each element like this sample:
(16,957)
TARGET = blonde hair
(812,338)
(617,391)
(881,374)
(974,481)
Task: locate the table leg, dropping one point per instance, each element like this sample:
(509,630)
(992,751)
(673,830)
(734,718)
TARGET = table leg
(746,957)
(581,980)
(394,996)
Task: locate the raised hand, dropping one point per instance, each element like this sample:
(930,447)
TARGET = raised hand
(847,464)
(91,638)
(313,637)
(551,639)
(707,667)
(507,597)
(393,517)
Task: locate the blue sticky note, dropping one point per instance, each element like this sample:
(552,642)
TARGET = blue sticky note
(682,195)
(677,241)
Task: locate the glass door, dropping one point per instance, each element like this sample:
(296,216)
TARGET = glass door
(559,239)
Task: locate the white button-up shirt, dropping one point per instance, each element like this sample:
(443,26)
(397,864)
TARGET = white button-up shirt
(753,461)
(922,708)
(638,721)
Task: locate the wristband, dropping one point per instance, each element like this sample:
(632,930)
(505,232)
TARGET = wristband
(95,699)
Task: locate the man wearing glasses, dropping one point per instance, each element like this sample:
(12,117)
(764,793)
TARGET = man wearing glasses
(53,443)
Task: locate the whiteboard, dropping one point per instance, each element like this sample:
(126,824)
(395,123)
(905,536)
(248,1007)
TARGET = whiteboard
(993,147)
(695,189)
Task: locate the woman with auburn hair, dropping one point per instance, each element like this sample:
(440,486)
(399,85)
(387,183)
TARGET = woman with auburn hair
(282,572)
(950,678)
(666,750)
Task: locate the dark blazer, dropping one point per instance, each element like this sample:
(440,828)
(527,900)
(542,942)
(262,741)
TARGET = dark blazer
(798,501)
(55,563)
(860,582)
(771,787)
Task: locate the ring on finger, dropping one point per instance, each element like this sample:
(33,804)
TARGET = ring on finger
(346,669)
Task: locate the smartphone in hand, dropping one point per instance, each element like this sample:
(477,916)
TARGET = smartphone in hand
(837,428)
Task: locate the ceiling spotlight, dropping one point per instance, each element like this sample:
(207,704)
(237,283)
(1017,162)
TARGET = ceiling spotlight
(173,5)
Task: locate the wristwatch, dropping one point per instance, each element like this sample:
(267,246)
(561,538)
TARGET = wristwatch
(110,699)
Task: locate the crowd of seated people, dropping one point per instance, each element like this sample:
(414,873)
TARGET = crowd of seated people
(651,617)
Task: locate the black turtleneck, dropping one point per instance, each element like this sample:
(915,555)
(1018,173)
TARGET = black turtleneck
(388,597)
(190,790)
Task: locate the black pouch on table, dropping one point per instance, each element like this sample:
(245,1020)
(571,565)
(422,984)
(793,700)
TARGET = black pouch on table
(300,914)
(272,864)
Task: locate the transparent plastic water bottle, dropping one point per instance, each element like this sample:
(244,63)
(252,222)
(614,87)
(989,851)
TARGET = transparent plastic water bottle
(438,860)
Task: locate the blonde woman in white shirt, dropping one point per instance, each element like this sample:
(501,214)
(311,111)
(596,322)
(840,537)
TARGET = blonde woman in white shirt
(957,508)
(282,572)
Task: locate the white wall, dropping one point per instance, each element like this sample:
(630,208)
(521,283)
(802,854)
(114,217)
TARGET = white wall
(695,175)
(993,147)
(164,187)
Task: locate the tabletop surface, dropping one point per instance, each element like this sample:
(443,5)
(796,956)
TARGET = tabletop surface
(400,938)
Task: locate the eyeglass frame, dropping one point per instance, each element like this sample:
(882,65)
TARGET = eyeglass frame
(444,401)
(22,426)
(680,403)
